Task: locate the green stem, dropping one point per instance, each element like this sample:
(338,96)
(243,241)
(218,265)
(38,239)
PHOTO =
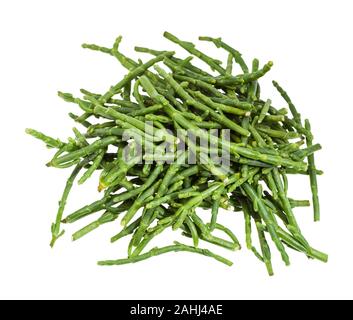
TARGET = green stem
(158,251)
(312,175)
(188,46)
(55,228)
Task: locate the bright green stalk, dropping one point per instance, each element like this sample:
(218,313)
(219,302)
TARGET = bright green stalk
(214,213)
(68,97)
(274,118)
(104,132)
(236,54)
(254,84)
(95,47)
(229,233)
(303,153)
(96,163)
(55,228)
(73,155)
(137,94)
(241,180)
(190,47)
(312,175)
(299,203)
(49,141)
(229,67)
(264,110)
(135,192)
(256,136)
(146,111)
(170,173)
(181,175)
(126,62)
(201,84)
(218,106)
(233,103)
(81,119)
(192,203)
(81,140)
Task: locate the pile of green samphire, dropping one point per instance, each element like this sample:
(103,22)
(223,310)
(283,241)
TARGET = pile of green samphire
(132,133)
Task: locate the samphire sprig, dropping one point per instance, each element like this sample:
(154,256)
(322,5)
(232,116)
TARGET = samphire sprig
(150,185)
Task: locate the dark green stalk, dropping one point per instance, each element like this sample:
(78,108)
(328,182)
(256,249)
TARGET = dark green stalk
(158,251)
(285,96)
(140,142)
(132,75)
(284,200)
(277,133)
(289,240)
(179,62)
(247,219)
(139,202)
(147,218)
(265,216)
(207,236)
(86,210)
(193,231)
(127,230)
(189,100)
(106,217)
(254,84)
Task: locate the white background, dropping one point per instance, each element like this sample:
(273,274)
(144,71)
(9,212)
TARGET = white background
(310,43)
